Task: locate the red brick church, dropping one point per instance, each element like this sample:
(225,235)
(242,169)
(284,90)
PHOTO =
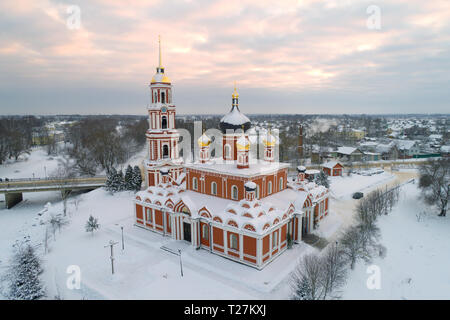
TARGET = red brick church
(234,205)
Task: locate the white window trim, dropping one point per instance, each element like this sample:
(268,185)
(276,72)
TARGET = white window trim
(195,183)
(232,193)
(214,192)
(231,242)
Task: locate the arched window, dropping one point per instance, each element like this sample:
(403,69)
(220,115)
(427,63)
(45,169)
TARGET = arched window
(205,233)
(165,151)
(164,122)
(227,151)
(213,188)
(156,98)
(194,183)
(257,192)
(234,192)
(281,184)
(163,97)
(233,241)
(269,187)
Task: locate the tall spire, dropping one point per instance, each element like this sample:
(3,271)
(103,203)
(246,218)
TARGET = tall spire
(235,98)
(159,41)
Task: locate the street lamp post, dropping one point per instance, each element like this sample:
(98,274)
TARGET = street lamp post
(181,264)
(111,244)
(123,243)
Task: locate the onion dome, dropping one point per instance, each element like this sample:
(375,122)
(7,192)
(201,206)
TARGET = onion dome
(301,169)
(160,77)
(243,144)
(204,140)
(234,119)
(269,140)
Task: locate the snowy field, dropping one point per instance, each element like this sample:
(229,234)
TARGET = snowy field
(417,264)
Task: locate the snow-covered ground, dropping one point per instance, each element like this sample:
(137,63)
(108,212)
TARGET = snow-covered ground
(37,163)
(416,265)
(345,186)
(417,262)
(143,270)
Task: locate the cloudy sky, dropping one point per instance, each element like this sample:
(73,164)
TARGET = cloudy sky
(305,56)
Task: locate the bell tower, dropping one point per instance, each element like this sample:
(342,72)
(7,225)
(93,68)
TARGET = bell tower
(162,136)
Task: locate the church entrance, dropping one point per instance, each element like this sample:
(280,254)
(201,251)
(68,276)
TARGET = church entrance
(187,231)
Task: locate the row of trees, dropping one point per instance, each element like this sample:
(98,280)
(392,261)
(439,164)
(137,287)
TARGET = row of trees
(103,143)
(16,136)
(319,277)
(116,181)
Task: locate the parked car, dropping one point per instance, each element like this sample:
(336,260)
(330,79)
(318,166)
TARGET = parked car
(358,195)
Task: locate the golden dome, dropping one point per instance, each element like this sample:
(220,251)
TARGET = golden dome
(269,140)
(204,141)
(243,144)
(160,78)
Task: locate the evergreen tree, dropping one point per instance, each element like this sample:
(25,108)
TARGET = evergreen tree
(129,183)
(322,180)
(120,181)
(111,175)
(137,178)
(24,272)
(92,224)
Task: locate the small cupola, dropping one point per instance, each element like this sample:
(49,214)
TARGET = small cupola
(250,190)
(269,142)
(164,172)
(301,173)
(242,149)
(204,142)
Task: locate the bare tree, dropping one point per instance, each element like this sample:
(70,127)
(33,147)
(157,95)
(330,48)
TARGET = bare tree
(334,271)
(353,247)
(62,177)
(435,183)
(56,222)
(306,279)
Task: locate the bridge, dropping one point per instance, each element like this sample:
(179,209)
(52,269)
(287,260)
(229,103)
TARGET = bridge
(14,189)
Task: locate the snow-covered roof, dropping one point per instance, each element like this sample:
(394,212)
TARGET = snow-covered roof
(312,171)
(234,120)
(250,185)
(445,149)
(330,164)
(346,150)
(405,144)
(256,167)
